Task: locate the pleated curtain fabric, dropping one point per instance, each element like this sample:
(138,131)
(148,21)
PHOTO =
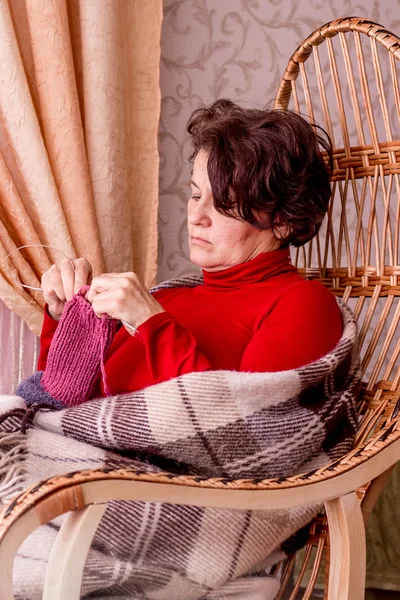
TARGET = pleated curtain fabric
(79,111)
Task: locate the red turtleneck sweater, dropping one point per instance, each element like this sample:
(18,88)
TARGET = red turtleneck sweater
(257,316)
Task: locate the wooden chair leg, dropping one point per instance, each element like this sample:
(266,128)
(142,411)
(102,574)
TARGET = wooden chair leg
(373,493)
(7,555)
(9,546)
(68,555)
(347,548)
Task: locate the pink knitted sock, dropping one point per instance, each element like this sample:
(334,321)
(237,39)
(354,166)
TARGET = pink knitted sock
(77,352)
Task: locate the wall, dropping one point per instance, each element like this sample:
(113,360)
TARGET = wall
(239,49)
(227,48)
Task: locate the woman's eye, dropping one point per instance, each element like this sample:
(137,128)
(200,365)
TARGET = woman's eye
(195,197)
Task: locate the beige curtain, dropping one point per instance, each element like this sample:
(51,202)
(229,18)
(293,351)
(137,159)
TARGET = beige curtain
(79,110)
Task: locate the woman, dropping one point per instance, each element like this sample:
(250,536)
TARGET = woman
(259,184)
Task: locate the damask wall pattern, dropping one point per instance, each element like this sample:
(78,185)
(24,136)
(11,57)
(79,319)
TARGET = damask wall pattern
(239,49)
(227,48)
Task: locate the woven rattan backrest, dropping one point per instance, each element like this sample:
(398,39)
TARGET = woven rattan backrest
(344,77)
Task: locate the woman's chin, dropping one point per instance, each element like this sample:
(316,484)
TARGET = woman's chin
(201,258)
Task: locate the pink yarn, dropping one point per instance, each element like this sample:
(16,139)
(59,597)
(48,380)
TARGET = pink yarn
(77,353)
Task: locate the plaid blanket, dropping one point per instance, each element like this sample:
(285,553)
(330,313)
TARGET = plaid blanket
(216,423)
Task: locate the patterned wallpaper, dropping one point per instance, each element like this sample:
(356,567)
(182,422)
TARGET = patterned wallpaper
(239,49)
(233,48)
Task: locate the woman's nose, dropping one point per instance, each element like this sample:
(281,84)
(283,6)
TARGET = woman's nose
(198,214)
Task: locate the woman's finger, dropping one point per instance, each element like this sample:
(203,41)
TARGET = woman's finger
(52,296)
(99,284)
(103,283)
(67,274)
(127,275)
(83,273)
(55,305)
(106,304)
(55,282)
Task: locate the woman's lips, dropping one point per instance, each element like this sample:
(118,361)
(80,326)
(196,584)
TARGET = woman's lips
(199,240)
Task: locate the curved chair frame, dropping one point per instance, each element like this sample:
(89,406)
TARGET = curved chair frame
(348,487)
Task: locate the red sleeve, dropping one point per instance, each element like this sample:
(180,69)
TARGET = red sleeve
(304,325)
(46,336)
(171,350)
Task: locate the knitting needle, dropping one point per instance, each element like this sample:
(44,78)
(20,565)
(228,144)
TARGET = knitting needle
(36,289)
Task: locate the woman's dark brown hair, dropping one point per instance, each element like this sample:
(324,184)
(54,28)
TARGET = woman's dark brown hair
(265,167)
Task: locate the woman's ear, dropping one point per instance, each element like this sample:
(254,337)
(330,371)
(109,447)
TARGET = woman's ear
(281,231)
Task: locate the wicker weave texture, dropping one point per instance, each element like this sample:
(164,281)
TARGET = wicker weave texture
(344,77)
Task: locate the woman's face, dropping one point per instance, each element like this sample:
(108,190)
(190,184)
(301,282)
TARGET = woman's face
(217,242)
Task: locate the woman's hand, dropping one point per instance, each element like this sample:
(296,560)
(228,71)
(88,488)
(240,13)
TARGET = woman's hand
(62,281)
(122,296)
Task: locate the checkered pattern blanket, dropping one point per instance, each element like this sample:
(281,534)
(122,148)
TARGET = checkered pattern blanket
(217,423)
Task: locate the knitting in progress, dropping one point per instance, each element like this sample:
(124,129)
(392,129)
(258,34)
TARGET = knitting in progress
(224,424)
(76,357)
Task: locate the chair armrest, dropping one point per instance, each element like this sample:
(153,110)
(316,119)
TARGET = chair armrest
(61,494)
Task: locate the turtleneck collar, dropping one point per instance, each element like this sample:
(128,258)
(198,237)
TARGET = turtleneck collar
(263,266)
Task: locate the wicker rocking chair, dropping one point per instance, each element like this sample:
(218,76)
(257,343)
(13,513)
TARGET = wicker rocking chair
(357,257)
